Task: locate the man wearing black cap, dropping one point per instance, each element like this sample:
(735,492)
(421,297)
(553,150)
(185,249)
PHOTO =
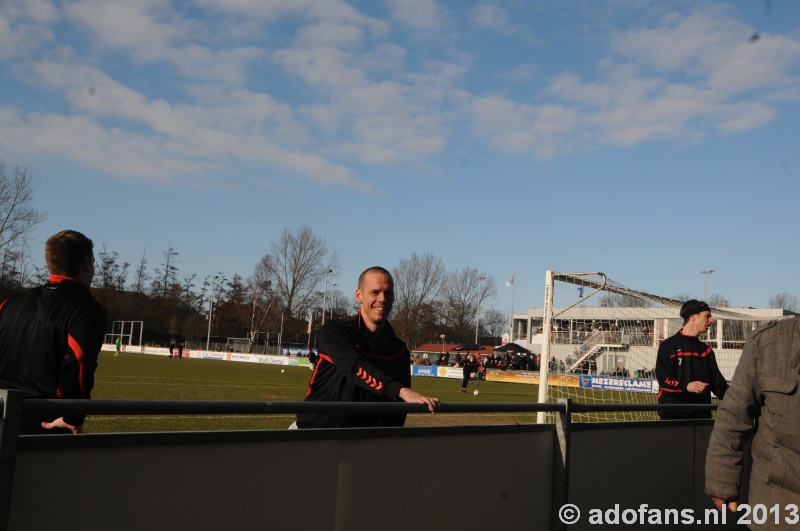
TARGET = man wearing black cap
(686,367)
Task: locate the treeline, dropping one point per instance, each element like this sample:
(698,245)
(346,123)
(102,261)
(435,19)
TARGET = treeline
(286,288)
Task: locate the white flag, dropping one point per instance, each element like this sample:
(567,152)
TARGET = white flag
(510,281)
(310,320)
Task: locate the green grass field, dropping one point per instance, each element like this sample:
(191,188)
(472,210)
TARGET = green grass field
(146,377)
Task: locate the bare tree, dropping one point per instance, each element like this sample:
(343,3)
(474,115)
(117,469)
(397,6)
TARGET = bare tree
(263,301)
(417,283)
(296,266)
(339,304)
(140,278)
(17,215)
(606,300)
(682,297)
(629,301)
(785,301)
(494,322)
(110,276)
(715,300)
(463,290)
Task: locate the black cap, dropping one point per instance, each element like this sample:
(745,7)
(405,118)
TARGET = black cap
(692,307)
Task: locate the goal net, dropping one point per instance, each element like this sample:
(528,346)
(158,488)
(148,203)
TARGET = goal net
(603,340)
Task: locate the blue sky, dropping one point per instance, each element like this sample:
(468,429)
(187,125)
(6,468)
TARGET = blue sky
(647,140)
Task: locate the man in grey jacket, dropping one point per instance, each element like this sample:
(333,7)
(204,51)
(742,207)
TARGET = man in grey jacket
(763,399)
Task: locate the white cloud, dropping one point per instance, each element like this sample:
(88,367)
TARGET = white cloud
(522,72)
(24,26)
(715,49)
(421,15)
(320,10)
(328,67)
(492,17)
(151,32)
(173,140)
(329,34)
(723,83)
(38,11)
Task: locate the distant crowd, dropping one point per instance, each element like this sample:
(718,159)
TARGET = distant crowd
(531,362)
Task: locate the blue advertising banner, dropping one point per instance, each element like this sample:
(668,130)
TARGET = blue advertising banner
(423,370)
(613,383)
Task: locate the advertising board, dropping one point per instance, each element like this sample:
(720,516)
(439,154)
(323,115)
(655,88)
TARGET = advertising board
(424,370)
(457,373)
(612,383)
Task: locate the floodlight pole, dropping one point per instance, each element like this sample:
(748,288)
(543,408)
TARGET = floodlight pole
(334,288)
(478,309)
(210,312)
(705,282)
(280,335)
(325,294)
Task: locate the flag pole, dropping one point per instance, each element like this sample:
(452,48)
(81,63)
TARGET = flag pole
(513,282)
(310,320)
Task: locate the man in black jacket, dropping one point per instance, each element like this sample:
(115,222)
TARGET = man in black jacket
(686,367)
(362,360)
(50,336)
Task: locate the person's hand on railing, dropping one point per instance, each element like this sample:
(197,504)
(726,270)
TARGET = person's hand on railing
(59,423)
(407,395)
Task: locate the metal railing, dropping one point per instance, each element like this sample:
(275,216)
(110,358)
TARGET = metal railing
(14,407)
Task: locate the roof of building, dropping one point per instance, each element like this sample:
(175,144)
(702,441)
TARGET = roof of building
(438,348)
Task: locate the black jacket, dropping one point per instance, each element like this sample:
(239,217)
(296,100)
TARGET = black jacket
(50,337)
(681,360)
(352,368)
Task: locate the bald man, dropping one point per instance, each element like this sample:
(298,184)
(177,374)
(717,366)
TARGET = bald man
(362,360)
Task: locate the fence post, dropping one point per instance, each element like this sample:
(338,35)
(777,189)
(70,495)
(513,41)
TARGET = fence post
(561,463)
(9,436)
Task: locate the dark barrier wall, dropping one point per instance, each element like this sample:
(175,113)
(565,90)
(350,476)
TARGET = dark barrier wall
(363,479)
(661,464)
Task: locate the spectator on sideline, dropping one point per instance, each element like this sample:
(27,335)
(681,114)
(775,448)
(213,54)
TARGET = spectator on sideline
(686,367)
(180,351)
(171,349)
(313,357)
(762,399)
(50,336)
(362,360)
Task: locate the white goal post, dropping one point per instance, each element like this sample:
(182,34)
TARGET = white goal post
(602,339)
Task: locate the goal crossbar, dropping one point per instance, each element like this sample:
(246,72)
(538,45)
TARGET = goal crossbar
(584,279)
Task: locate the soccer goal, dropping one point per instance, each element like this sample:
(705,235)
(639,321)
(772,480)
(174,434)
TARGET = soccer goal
(128,332)
(600,340)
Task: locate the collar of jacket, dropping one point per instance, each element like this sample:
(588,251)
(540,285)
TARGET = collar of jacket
(60,279)
(388,331)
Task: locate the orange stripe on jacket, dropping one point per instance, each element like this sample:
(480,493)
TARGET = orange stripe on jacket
(78,351)
(690,354)
(316,368)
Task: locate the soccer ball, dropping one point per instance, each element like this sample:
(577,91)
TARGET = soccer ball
(282,371)
(476,392)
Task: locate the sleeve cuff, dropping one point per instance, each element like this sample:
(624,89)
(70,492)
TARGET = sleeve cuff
(75,420)
(392,390)
(723,491)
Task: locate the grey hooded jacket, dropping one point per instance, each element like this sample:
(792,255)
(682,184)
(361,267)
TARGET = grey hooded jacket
(763,398)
